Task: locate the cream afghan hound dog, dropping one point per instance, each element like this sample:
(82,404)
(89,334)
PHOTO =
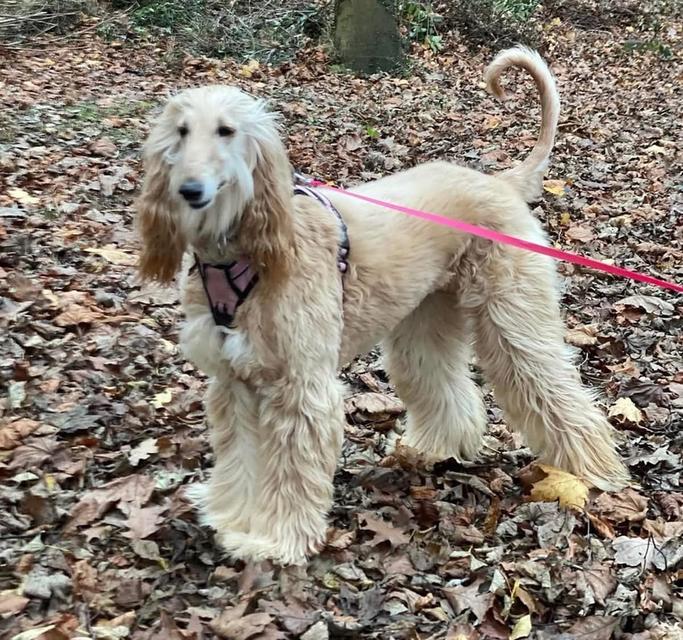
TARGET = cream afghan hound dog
(219,185)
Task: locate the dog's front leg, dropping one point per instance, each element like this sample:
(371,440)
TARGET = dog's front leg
(301,429)
(225,501)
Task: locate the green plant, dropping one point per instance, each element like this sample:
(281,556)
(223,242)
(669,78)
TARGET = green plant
(243,29)
(106,31)
(371,132)
(85,112)
(422,23)
(434,42)
(493,22)
(518,10)
(654,45)
(168,15)
(652,25)
(8,130)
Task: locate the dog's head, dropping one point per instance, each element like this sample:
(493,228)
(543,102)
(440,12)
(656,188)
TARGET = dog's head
(213,157)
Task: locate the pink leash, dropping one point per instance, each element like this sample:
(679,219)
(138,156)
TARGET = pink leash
(503,238)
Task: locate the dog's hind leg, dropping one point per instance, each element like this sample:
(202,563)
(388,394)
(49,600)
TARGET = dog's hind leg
(427,358)
(520,345)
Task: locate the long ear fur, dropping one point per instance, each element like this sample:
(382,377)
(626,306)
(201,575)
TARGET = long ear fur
(163,242)
(267,229)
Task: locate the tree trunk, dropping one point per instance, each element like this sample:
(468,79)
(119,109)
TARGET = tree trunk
(366,35)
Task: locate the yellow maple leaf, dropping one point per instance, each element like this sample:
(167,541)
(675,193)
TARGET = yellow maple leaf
(248,69)
(560,486)
(625,409)
(115,256)
(492,122)
(50,482)
(21,196)
(522,628)
(162,398)
(556,187)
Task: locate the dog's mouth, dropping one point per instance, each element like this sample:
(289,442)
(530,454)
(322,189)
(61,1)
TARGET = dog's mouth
(197,206)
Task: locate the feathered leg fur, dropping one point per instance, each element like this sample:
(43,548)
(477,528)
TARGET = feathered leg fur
(428,357)
(520,345)
(301,427)
(226,502)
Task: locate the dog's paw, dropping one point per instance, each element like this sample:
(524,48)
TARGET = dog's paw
(217,517)
(462,450)
(254,548)
(439,437)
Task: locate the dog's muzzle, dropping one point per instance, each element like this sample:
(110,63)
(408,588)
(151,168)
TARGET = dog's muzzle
(193,192)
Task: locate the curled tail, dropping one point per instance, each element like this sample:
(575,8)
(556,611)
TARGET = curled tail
(528,176)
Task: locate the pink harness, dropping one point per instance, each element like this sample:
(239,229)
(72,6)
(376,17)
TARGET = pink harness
(227,285)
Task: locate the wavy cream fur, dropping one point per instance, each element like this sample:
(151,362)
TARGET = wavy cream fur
(428,294)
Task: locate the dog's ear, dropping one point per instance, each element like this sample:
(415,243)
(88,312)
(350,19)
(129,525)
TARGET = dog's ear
(268,225)
(163,243)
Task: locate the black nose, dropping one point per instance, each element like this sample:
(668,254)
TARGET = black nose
(192,190)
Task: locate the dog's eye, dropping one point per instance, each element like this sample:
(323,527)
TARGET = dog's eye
(225,132)
(182,131)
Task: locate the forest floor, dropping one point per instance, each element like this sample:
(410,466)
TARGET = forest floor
(102,426)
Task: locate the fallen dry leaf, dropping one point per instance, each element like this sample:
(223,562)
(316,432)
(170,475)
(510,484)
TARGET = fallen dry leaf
(625,506)
(243,628)
(142,522)
(594,627)
(22,197)
(462,632)
(558,485)
(374,406)
(104,147)
(556,187)
(384,531)
(601,580)
(113,255)
(463,598)
(580,233)
(626,411)
(247,70)
(340,539)
(602,526)
(12,433)
(649,304)
(115,628)
(85,580)
(582,336)
(493,122)
(162,398)
(11,603)
(34,453)
(646,552)
(77,314)
(143,451)
(522,628)
(136,489)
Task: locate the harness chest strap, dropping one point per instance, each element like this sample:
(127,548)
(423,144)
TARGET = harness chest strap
(227,285)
